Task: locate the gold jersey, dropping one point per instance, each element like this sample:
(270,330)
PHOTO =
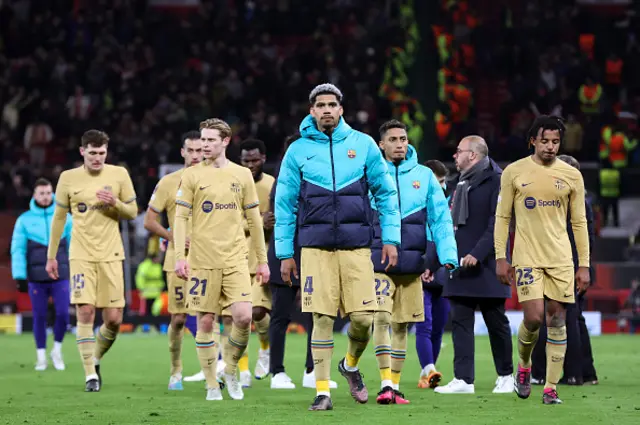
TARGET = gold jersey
(263,188)
(216,199)
(540,198)
(95,235)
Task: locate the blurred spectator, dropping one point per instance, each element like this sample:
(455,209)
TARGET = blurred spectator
(149,282)
(633,304)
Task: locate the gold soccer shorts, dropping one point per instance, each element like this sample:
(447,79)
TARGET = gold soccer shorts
(535,283)
(100,284)
(213,290)
(177,296)
(260,296)
(400,295)
(337,280)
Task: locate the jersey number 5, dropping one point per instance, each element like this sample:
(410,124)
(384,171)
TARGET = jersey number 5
(524,276)
(196,284)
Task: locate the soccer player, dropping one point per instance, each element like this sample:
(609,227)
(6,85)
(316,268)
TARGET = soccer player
(425,216)
(322,189)
(98,195)
(217,195)
(163,199)
(28,261)
(541,191)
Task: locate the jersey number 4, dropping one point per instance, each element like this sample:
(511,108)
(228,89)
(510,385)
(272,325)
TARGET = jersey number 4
(308,285)
(199,287)
(524,276)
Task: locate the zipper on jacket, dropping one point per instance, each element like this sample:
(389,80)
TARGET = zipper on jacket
(46,224)
(335,196)
(398,188)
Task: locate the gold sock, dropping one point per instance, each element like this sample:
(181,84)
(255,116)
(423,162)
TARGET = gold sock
(526,341)
(398,351)
(243,363)
(175,349)
(358,333)
(86,342)
(238,340)
(321,350)
(104,340)
(382,342)
(207,350)
(262,329)
(556,349)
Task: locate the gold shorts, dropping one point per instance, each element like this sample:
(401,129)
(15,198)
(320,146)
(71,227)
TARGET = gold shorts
(260,296)
(100,284)
(556,283)
(176,291)
(337,280)
(212,290)
(400,295)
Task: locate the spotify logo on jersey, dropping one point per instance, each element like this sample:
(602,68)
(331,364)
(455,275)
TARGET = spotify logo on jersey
(530,202)
(207,206)
(82,207)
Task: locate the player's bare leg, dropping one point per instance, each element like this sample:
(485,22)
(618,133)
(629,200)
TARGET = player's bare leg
(111,321)
(527,338)
(556,349)
(176,335)
(86,341)
(238,340)
(358,334)
(322,350)
(261,320)
(207,348)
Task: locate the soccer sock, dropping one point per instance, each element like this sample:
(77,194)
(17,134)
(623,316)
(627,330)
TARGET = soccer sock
(208,357)
(398,351)
(238,340)
(382,341)
(57,347)
(262,328)
(322,349)
(358,333)
(86,342)
(556,349)
(526,342)
(175,349)
(243,363)
(106,338)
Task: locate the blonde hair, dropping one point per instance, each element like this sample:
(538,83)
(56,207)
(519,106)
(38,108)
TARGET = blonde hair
(217,124)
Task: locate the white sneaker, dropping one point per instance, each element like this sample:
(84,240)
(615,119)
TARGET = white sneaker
(504,385)
(262,365)
(456,386)
(56,359)
(198,377)
(41,359)
(309,381)
(214,394)
(245,379)
(175,382)
(233,386)
(220,369)
(41,365)
(281,381)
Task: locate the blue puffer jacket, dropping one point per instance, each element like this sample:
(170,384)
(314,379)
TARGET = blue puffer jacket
(323,189)
(30,241)
(425,217)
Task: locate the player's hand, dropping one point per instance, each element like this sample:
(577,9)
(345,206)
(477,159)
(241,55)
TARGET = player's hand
(288,266)
(107,197)
(389,252)
(182,269)
(427,276)
(268,220)
(504,271)
(263,274)
(583,279)
(52,269)
(469,261)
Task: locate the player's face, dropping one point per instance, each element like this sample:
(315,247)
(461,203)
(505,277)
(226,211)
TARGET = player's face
(43,195)
(395,144)
(212,143)
(191,152)
(253,160)
(94,157)
(547,145)
(442,180)
(326,111)
(464,156)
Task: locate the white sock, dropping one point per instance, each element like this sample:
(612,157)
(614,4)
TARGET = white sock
(327,393)
(428,369)
(57,347)
(90,377)
(41,355)
(395,387)
(350,368)
(386,383)
(96,361)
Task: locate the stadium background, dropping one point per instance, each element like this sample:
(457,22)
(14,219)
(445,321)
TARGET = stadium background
(146,71)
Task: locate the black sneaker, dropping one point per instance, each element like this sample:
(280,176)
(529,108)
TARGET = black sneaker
(321,402)
(356,385)
(572,380)
(92,386)
(550,396)
(99,376)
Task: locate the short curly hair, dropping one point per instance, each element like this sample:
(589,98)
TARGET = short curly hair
(325,89)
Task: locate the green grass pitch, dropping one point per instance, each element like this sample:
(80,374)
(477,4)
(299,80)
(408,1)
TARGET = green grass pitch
(135,375)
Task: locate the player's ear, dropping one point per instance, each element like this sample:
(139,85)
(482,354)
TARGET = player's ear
(225,141)
(81,151)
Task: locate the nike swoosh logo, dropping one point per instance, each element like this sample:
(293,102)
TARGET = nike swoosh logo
(567,296)
(244,294)
(417,314)
(526,184)
(204,187)
(76,192)
(309,157)
(367,302)
(113,301)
